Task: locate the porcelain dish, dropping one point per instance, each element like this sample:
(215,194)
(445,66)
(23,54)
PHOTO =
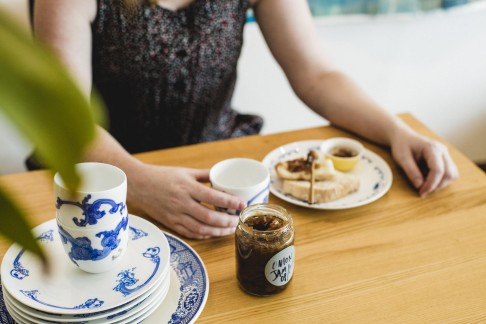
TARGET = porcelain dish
(178,295)
(374,173)
(146,261)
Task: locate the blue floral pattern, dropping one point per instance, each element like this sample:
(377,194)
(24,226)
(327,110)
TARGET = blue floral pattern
(184,262)
(265,198)
(92,211)
(126,278)
(89,304)
(190,271)
(81,248)
(136,233)
(18,270)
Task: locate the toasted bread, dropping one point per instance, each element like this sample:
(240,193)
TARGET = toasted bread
(324,191)
(324,170)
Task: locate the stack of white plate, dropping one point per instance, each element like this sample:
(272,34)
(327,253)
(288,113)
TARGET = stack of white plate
(128,293)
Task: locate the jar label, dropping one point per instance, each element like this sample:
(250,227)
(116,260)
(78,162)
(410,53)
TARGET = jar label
(280,267)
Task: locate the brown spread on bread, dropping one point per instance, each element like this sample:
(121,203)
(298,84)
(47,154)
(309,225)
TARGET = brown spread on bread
(300,168)
(314,179)
(302,164)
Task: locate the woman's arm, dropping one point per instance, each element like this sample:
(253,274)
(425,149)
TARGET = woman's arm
(169,195)
(66,27)
(289,31)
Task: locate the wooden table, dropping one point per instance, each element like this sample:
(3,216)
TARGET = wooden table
(400,259)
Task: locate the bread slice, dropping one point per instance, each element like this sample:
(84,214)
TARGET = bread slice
(324,170)
(339,186)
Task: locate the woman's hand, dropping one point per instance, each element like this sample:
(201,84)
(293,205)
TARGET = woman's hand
(177,198)
(426,162)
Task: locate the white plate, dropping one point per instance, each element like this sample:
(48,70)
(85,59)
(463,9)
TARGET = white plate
(108,314)
(123,316)
(16,317)
(135,307)
(189,286)
(374,173)
(72,291)
(146,310)
(188,289)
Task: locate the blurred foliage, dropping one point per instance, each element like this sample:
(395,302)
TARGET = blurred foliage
(43,102)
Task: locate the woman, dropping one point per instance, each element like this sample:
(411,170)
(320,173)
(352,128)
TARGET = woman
(166,70)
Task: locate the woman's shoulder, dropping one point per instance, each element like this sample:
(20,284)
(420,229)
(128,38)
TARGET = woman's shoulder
(80,8)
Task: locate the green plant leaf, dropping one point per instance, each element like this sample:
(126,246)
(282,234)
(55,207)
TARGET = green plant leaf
(13,225)
(41,99)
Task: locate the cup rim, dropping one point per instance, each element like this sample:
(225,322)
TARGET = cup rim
(330,143)
(58,181)
(215,167)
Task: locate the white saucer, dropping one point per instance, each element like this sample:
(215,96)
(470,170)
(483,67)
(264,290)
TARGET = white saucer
(185,299)
(120,316)
(71,291)
(189,286)
(374,173)
(117,314)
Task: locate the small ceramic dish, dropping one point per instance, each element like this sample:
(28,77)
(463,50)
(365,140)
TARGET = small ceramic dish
(344,152)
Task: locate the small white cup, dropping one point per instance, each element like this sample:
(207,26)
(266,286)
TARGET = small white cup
(345,153)
(245,178)
(93,220)
(100,200)
(97,249)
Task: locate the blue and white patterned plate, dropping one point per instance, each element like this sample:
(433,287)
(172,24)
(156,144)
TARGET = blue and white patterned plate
(373,172)
(69,290)
(188,290)
(154,300)
(189,286)
(131,309)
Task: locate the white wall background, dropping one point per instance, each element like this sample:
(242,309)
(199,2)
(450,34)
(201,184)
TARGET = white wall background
(13,148)
(432,65)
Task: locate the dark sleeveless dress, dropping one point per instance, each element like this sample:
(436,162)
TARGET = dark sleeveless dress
(167,77)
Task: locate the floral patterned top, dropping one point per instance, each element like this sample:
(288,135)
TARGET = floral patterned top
(167,77)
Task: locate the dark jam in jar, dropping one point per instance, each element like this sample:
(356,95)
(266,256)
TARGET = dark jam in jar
(264,249)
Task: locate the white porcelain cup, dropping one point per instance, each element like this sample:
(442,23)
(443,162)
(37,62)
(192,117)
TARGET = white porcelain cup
(245,178)
(93,220)
(97,249)
(99,201)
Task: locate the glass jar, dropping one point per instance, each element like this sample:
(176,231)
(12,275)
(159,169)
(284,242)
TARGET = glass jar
(264,240)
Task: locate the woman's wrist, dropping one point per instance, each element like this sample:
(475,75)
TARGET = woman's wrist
(138,175)
(397,131)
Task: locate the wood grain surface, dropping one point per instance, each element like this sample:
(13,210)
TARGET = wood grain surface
(400,259)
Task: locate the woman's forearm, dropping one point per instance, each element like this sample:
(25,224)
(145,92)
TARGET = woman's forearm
(106,149)
(338,99)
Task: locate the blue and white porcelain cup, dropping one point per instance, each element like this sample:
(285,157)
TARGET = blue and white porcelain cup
(93,220)
(97,249)
(245,178)
(99,201)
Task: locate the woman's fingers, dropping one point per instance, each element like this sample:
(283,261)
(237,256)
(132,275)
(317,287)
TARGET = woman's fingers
(426,163)
(443,170)
(218,198)
(190,227)
(176,198)
(210,216)
(411,169)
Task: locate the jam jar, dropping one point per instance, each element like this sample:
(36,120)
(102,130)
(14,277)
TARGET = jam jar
(265,252)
